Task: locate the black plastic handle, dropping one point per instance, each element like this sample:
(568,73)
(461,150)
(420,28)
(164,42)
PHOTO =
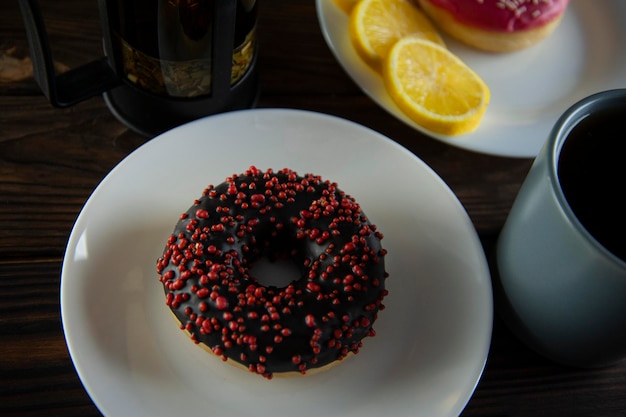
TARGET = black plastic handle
(70,87)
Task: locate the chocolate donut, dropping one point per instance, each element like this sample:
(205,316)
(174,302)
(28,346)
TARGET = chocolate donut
(319,317)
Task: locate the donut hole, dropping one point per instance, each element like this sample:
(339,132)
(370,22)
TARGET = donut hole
(276,272)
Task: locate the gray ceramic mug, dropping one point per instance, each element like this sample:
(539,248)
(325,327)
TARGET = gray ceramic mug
(561,256)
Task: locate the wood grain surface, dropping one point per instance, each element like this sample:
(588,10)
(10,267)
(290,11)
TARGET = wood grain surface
(52,159)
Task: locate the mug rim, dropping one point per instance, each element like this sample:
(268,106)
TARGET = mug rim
(563,126)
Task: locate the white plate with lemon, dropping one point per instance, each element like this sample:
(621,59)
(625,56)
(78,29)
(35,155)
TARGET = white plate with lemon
(529,89)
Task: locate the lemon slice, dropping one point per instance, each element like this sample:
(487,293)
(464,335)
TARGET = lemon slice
(376,25)
(346,5)
(434,87)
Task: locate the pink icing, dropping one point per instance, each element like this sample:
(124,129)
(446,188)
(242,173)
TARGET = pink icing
(503,15)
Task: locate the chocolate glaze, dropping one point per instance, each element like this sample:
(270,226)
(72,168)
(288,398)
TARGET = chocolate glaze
(320,317)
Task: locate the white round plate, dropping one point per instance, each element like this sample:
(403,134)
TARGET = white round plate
(529,88)
(432,339)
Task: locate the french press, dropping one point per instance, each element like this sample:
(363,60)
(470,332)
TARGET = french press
(166,61)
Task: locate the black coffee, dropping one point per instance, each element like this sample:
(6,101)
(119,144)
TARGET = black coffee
(592,173)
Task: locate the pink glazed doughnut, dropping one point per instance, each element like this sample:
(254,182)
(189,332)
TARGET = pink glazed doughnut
(496,25)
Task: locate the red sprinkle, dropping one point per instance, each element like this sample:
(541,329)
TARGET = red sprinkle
(202,214)
(221,303)
(257,198)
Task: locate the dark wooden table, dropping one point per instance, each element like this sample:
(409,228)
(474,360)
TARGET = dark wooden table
(51,160)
